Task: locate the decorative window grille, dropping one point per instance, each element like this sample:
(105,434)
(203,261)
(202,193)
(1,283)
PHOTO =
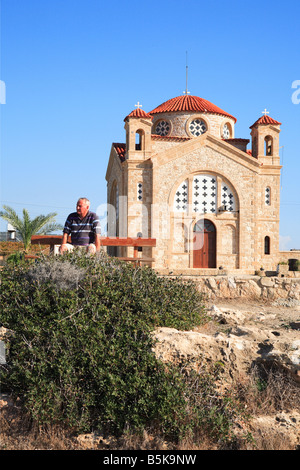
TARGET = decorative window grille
(227,197)
(140,191)
(204,194)
(226,131)
(197,127)
(268,196)
(204,199)
(181,198)
(162,128)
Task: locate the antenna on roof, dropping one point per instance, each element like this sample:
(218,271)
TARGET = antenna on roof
(186,92)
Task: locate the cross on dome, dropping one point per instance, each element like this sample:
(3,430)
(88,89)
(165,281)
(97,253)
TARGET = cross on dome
(265,112)
(138,105)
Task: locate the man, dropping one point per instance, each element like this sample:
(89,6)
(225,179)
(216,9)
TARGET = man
(84,228)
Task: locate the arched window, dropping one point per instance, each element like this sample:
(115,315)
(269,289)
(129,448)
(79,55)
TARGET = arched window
(139,140)
(226,131)
(268,145)
(267,245)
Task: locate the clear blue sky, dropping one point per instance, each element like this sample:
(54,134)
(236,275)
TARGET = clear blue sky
(73,69)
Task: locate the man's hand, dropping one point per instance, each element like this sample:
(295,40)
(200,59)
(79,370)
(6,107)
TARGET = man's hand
(63,247)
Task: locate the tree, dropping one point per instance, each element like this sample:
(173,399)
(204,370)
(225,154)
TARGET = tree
(26,228)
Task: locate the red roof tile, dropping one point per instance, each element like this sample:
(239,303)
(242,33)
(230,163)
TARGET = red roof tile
(120,149)
(138,113)
(169,137)
(266,120)
(189,103)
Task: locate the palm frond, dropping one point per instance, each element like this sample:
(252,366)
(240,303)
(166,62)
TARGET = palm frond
(26,228)
(52,227)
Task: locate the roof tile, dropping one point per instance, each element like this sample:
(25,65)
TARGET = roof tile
(138,113)
(189,103)
(266,120)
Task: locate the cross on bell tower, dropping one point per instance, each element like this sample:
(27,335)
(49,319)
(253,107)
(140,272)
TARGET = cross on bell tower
(138,105)
(265,112)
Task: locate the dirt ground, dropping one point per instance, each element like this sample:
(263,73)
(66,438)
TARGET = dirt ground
(270,315)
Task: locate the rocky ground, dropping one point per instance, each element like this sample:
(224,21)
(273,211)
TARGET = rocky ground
(240,334)
(244,333)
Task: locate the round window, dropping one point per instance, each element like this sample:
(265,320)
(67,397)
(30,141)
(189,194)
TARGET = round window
(162,128)
(197,127)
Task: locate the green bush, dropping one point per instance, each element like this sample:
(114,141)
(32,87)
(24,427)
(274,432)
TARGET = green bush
(81,352)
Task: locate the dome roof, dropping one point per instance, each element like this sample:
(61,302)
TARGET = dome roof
(266,120)
(191,104)
(138,113)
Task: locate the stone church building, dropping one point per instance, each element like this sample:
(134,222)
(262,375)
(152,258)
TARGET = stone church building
(210,199)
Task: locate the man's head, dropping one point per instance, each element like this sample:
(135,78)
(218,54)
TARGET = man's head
(82,207)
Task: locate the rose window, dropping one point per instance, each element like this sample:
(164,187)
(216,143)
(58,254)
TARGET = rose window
(162,128)
(197,127)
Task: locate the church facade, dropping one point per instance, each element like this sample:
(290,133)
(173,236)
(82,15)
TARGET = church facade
(211,200)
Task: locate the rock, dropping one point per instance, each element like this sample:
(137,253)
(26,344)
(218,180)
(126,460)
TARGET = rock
(226,316)
(243,345)
(266,282)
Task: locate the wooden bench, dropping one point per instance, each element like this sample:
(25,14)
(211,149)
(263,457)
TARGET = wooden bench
(54,241)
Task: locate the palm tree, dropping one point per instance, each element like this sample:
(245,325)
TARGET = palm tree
(26,228)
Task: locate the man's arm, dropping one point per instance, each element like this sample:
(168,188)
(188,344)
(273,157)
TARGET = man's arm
(97,242)
(64,239)
(97,232)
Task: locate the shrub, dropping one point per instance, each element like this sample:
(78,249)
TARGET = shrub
(82,351)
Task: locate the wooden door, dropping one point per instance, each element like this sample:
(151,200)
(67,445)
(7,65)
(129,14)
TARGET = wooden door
(204,251)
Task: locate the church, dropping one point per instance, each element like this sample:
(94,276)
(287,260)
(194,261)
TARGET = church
(210,199)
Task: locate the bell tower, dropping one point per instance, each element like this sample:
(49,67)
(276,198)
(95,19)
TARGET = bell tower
(265,140)
(138,126)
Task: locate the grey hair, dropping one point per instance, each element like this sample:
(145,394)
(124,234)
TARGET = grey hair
(87,201)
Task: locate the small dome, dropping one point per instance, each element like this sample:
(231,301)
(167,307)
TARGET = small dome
(138,113)
(266,120)
(190,104)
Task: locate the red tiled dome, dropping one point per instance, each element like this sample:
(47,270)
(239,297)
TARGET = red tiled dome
(138,113)
(191,104)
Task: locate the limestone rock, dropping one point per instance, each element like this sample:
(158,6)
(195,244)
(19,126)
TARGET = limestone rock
(238,348)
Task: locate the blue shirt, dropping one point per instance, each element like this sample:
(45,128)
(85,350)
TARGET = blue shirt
(82,231)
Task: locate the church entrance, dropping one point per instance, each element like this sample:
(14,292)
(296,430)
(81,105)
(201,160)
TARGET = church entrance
(204,244)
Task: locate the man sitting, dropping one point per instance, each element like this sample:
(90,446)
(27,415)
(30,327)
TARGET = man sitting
(84,228)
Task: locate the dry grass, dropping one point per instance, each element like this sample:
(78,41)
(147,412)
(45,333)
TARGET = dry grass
(265,393)
(268,390)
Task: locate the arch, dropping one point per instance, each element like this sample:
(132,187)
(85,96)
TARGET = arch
(226,130)
(268,145)
(204,244)
(203,193)
(140,139)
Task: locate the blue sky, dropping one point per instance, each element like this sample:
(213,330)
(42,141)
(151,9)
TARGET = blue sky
(74,69)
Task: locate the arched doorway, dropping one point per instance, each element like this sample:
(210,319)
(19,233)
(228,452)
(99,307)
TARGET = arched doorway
(204,244)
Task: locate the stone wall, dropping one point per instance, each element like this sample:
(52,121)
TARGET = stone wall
(284,289)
